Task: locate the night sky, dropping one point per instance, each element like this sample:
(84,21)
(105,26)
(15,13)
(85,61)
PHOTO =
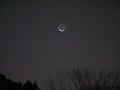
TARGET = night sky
(32,47)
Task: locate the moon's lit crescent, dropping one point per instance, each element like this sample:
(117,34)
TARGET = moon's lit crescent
(62,27)
(62,30)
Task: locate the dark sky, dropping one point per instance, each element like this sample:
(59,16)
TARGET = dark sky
(31,47)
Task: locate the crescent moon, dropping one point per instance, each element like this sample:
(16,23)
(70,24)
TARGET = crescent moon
(62,30)
(62,27)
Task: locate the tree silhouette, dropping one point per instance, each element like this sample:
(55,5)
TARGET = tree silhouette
(7,84)
(77,79)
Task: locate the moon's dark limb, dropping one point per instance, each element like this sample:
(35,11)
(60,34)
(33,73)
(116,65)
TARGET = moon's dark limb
(62,27)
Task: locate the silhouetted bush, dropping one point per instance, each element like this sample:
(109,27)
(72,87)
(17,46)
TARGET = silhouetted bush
(7,84)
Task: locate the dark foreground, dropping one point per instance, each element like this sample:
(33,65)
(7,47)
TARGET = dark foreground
(75,79)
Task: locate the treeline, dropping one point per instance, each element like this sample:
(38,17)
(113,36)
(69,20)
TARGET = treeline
(7,84)
(83,79)
(75,79)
